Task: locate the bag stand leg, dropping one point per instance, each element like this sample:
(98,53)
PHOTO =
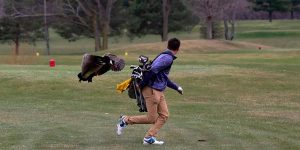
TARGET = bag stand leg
(139,97)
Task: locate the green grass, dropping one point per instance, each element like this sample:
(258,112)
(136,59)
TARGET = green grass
(232,100)
(250,25)
(283,34)
(269,34)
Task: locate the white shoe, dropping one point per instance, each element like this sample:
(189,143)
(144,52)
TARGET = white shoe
(121,125)
(152,140)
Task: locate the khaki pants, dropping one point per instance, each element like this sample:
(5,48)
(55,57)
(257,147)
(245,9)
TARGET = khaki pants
(157,111)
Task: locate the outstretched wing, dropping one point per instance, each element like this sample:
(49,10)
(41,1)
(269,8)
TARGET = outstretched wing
(117,64)
(90,65)
(93,65)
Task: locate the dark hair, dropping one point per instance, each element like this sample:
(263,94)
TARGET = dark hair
(173,44)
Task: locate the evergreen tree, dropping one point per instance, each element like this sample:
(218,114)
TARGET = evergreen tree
(16,28)
(294,6)
(269,6)
(146,17)
(20,30)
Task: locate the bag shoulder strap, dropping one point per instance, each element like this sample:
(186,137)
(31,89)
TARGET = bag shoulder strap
(164,52)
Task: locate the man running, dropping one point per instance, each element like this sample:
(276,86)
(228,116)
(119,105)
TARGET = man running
(153,85)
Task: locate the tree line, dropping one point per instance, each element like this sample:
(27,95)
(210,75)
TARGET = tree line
(29,20)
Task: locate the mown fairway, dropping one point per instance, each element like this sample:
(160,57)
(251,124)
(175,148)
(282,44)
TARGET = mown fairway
(233,99)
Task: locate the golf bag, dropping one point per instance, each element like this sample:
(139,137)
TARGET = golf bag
(134,91)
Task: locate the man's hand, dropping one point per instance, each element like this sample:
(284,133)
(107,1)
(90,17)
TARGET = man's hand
(180,90)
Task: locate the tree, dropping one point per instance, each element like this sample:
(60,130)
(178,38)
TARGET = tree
(2,13)
(158,17)
(208,11)
(166,9)
(217,30)
(46,28)
(22,11)
(229,17)
(15,28)
(20,30)
(87,18)
(294,6)
(269,6)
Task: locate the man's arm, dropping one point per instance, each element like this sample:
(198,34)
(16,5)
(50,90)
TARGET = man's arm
(174,86)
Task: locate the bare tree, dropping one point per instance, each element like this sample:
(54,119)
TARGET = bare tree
(94,15)
(208,11)
(229,17)
(91,16)
(104,12)
(101,19)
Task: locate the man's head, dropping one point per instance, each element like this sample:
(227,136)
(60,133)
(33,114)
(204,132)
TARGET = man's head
(174,44)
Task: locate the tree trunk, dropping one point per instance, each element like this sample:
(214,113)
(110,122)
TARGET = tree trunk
(232,33)
(46,28)
(105,33)
(17,45)
(209,26)
(97,42)
(229,33)
(226,29)
(96,34)
(17,40)
(292,15)
(47,39)
(270,16)
(104,15)
(166,13)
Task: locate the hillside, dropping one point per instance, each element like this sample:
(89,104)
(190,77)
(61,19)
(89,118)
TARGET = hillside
(194,46)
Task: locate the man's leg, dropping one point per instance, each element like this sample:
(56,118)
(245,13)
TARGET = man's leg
(163,112)
(152,101)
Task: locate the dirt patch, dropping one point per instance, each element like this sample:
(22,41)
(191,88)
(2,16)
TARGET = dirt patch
(197,99)
(10,118)
(253,73)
